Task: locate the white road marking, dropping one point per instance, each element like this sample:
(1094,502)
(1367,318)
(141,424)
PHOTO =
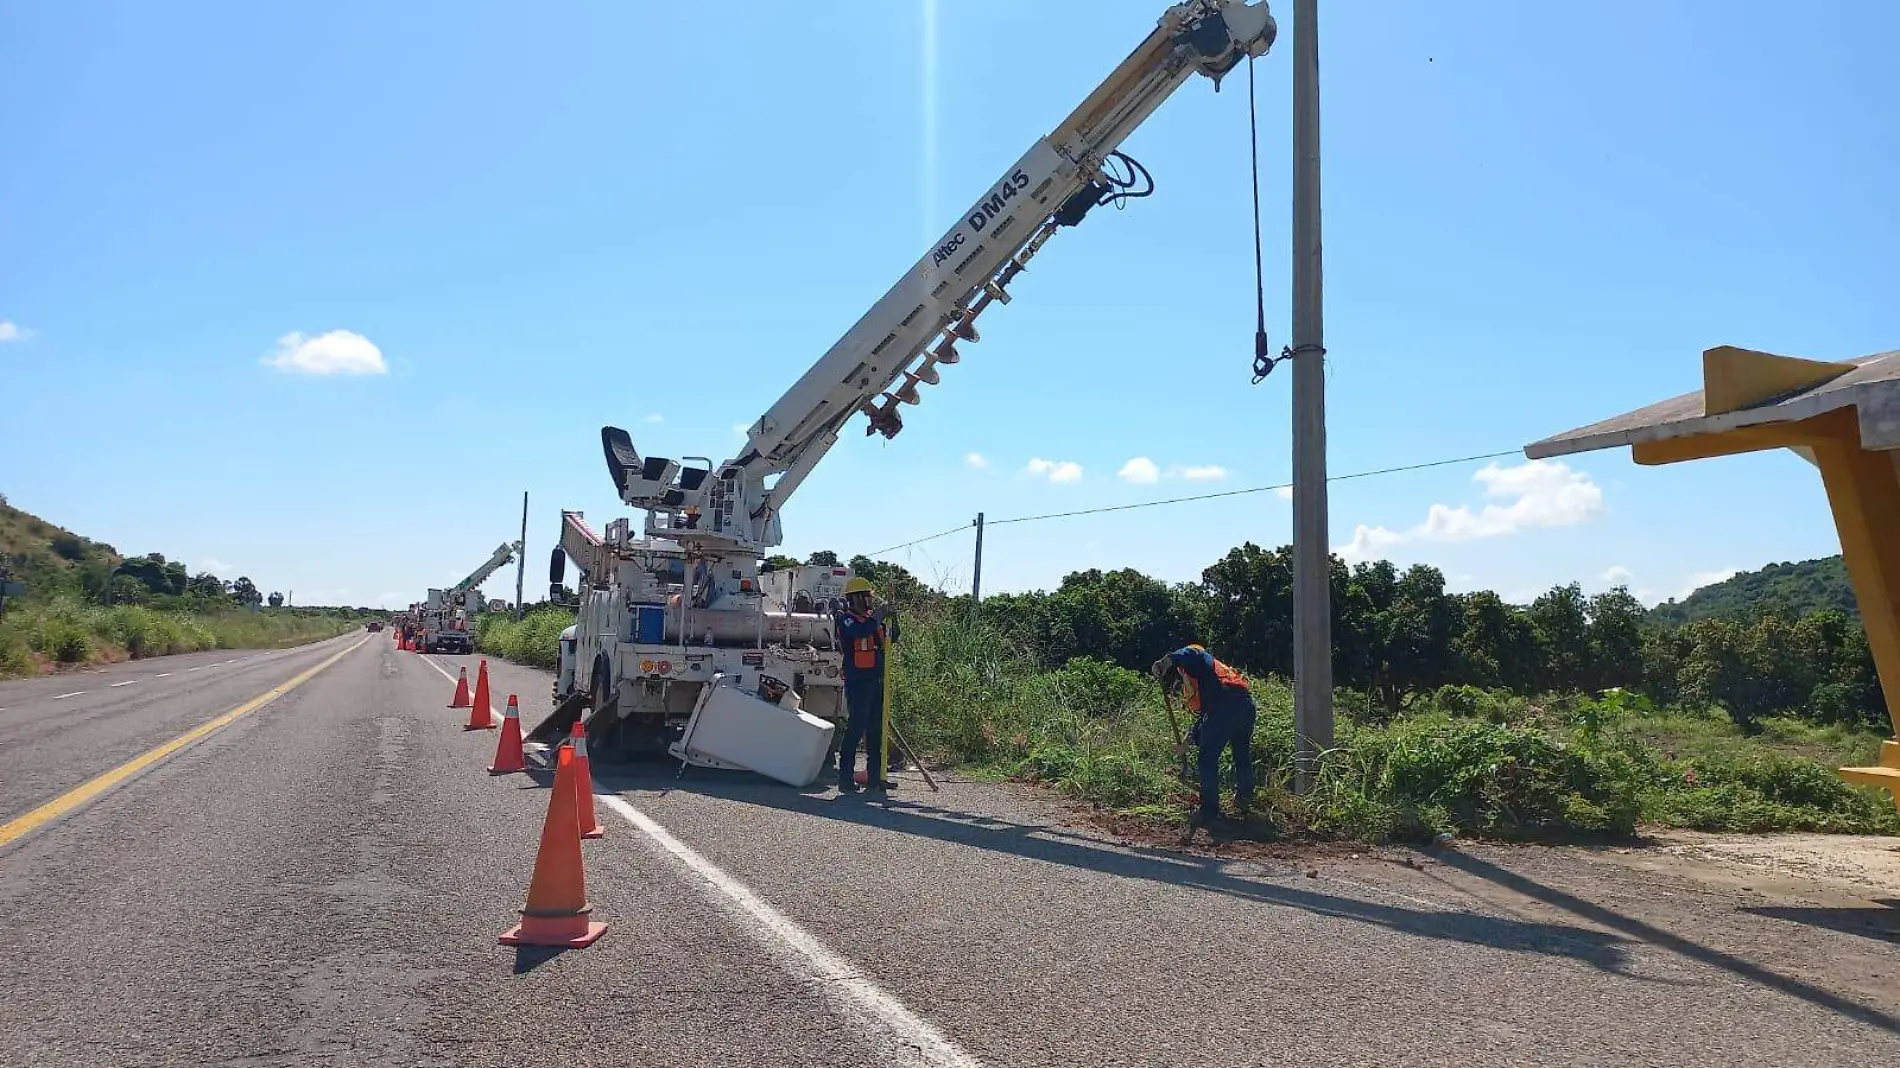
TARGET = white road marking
(230,661)
(492,714)
(162,674)
(912,1040)
(127,682)
(64,696)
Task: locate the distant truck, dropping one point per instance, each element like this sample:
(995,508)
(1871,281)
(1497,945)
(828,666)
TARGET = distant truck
(445,624)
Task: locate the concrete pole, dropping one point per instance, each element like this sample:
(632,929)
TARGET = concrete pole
(976,571)
(521,555)
(1312,558)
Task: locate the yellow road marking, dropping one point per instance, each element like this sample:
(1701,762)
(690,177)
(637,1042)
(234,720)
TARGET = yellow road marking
(81,794)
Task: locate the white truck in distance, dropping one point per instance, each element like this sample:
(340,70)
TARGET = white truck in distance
(660,616)
(448,615)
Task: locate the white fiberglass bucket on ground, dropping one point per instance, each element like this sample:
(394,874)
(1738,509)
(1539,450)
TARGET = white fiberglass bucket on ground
(733,729)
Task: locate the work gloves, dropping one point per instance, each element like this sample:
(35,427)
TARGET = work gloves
(1160,667)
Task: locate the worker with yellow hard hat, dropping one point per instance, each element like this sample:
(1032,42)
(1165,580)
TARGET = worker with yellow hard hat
(861,627)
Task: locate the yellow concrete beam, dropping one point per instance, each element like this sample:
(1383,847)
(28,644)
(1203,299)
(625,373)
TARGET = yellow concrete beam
(1864,495)
(1885,775)
(1734,378)
(1803,434)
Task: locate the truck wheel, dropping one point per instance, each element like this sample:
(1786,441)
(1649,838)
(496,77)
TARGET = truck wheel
(600,689)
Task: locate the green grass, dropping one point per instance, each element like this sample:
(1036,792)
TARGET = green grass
(1464,761)
(65,631)
(534,640)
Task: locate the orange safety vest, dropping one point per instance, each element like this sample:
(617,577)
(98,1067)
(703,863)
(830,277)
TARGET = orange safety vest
(1191,690)
(864,651)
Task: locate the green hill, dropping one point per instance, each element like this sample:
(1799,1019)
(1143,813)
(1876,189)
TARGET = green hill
(1796,589)
(48,557)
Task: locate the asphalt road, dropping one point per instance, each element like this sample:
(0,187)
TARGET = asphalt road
(321,882)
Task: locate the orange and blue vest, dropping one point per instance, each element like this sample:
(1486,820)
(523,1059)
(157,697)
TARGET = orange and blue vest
(1205,680)
(863,640)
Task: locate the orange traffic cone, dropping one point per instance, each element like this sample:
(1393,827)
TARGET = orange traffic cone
(584,783)
(478,713)
(460,700)
(508,755)
(557,895)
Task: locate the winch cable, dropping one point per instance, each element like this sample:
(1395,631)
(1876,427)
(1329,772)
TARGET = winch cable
(1262,361)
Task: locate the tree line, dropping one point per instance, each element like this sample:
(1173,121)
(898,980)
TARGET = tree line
(1398,634)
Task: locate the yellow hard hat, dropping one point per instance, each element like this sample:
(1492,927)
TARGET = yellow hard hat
(859,584)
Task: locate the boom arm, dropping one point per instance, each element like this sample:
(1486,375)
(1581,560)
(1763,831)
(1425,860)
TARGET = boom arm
(504,554)
(916,327)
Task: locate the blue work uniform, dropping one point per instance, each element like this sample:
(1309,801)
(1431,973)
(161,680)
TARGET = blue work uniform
(863,639)
(1225,706)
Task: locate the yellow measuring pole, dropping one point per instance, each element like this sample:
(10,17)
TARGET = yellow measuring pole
(884,720)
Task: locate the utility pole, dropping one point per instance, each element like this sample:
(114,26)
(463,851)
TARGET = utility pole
(521,555)
(976,572)
(1312,559)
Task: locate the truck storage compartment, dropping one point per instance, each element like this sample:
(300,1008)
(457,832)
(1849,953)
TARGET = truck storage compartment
(649,623)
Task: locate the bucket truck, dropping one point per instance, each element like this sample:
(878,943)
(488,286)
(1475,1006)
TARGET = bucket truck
(446,615)
(669,618)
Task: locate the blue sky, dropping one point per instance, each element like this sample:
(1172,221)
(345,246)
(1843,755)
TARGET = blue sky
(532,224)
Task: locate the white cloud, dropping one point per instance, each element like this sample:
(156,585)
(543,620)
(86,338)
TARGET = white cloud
(656,417)
(1140,469)
(1204,473)
(339,352)
(741,429)
(1055,470)
(10,331)
(214,565)
(1539,493)
(1617,575)
(1285,493)
(975,459)
(1699,579)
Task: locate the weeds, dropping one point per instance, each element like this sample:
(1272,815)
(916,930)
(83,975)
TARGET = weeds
(533,640)
(1463,760)
(67,631)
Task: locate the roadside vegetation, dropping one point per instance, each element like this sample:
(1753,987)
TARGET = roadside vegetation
(534,640)
(1462,760)
(84,603)
(1457,713)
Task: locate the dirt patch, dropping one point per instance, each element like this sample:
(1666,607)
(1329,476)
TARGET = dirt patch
(1859,866)
(1801,864)
(1251,840)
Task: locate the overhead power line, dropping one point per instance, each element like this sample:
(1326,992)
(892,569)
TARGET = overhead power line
(1400,469)
(1254,489)
(920,541)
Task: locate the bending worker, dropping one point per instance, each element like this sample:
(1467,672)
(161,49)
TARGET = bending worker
(1224,714)
(861,627)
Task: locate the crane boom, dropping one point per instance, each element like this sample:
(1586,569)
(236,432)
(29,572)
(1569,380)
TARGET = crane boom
(504,554)
(918,324)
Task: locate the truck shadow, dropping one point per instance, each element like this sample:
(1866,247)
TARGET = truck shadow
(1055,846)
(1875,922)
(1602,949)
(1647,932)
